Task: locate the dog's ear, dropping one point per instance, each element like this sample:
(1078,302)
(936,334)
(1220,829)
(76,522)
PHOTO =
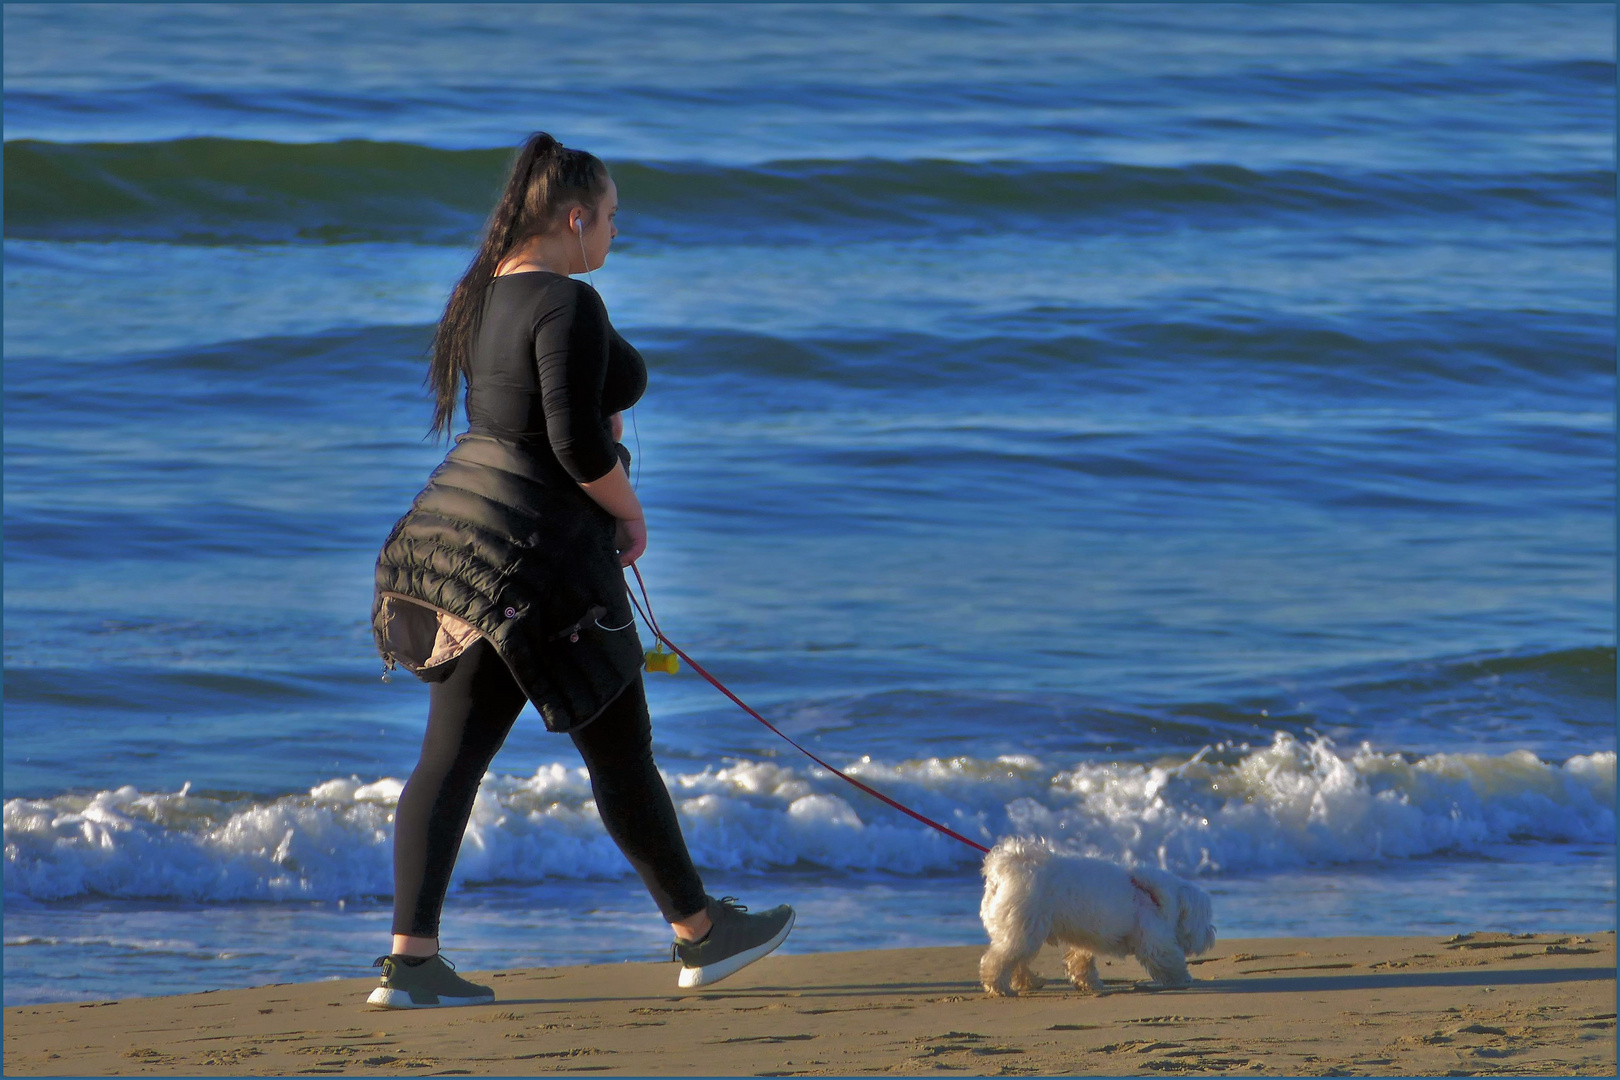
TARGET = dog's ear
(1194,931)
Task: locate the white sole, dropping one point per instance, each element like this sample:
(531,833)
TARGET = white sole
(713,973)
(384,998)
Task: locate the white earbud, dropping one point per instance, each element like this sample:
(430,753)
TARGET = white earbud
(579,230)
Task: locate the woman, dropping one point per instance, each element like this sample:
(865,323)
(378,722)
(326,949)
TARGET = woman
(504,583)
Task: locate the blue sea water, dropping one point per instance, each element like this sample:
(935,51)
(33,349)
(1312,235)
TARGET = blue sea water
(1184,430)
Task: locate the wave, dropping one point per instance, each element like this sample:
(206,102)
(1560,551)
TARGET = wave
(230,190)
(1099,348)
(217,190)
(1117,349)
(1229,808)
(1566,677)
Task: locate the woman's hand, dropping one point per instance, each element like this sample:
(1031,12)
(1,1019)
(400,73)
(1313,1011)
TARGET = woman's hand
(617,422)
(613,493)
(630,538)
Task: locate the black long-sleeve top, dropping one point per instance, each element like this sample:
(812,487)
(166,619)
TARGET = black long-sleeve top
(547,364)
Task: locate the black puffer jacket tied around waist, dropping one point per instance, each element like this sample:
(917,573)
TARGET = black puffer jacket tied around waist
(506,542)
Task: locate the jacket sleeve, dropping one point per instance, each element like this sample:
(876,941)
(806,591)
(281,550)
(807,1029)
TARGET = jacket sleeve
(571,342)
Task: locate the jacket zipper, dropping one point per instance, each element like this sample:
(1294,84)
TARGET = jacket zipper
(596,612)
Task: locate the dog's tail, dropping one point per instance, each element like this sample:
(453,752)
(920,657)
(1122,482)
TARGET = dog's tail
(1012,860)
(1018,849)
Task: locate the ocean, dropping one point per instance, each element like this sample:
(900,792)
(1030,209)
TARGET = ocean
(1183,431)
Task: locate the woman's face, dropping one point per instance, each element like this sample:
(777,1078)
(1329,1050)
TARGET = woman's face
(599,234)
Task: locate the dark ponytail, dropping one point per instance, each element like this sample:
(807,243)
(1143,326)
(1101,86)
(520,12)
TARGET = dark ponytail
(546,177)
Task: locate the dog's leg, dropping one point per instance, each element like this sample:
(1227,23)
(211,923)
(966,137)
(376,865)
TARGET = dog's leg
(1163,958)
(1004,968)
(1024,977)
(1016,936)
(996,968)
(1082,968)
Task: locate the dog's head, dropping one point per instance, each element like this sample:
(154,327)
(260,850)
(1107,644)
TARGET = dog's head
(1194,931)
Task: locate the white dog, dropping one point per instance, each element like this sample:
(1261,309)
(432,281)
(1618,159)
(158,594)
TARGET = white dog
(1034,895)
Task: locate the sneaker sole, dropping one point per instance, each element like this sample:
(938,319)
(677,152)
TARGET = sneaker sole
(713,973)
(385,998)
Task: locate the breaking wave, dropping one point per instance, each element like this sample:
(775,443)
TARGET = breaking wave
(1226,809)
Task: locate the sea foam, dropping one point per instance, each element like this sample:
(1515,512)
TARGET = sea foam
(1226,809)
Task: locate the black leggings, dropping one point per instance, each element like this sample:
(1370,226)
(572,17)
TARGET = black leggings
(469,714)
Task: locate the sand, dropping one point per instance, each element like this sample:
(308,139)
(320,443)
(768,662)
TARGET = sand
(1478,1003)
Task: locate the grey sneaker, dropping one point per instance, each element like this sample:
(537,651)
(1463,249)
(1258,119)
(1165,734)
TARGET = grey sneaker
(736,940)
(429,985)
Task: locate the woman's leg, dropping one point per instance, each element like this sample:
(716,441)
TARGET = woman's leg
(469,715)
(635,806)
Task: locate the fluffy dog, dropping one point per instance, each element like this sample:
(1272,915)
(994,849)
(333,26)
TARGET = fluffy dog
(1035,895)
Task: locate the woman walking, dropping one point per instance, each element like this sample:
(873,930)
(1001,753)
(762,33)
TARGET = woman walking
(504,583)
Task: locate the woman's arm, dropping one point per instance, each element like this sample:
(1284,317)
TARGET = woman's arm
(571,353)
(571,349)
(614,494)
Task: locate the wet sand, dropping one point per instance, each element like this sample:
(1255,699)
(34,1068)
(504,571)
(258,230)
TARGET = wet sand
(1474,1004)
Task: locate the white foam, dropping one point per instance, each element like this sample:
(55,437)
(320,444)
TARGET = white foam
(1291,803)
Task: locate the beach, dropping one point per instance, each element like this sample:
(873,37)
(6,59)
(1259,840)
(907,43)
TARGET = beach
(1184,433)
(1470,1004)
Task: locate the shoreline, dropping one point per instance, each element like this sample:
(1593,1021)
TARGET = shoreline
(1470,1004)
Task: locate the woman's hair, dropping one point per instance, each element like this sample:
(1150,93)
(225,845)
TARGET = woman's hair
(546,178)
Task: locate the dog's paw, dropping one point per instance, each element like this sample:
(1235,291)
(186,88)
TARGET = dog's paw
(1082,968)
(995,991)
(1028,981)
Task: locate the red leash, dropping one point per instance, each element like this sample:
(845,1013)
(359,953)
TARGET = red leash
(697,667)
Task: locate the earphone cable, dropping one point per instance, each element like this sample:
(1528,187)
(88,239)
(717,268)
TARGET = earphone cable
(585,260)
(637,432)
